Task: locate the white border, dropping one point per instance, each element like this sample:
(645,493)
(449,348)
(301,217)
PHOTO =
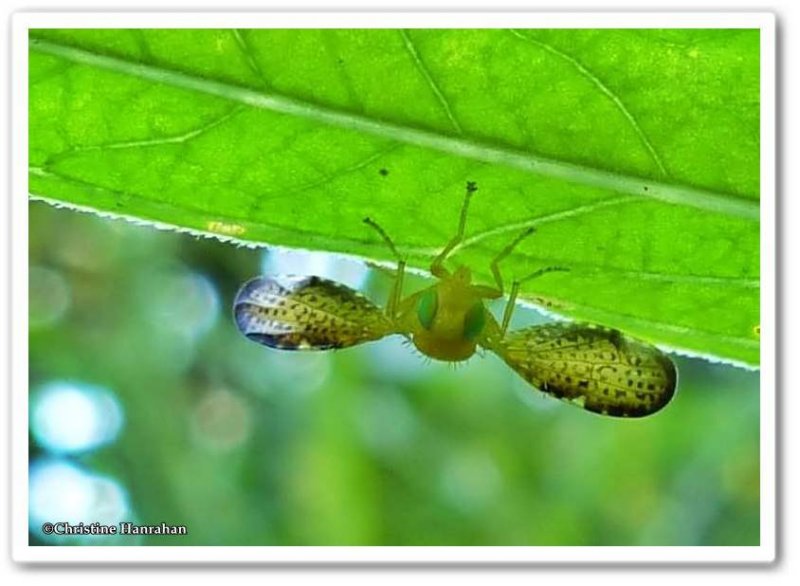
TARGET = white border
(23,552)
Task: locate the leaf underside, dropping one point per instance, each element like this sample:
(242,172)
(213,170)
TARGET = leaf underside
(635,154)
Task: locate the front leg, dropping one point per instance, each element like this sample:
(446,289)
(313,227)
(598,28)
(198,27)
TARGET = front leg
(512,298)
(397,287)
(397,291)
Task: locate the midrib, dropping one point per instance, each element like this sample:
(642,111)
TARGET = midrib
(716,202)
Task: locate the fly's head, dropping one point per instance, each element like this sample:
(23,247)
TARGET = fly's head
(448,318)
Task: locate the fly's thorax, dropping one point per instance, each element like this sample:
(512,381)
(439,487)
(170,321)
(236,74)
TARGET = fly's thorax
(448,319)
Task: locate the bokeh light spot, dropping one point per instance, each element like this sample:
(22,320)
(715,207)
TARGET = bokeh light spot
(386,421)
(221,421)
(68,417)
(49,297)
(60,491)
(181,301)
(350,272)
(470,480)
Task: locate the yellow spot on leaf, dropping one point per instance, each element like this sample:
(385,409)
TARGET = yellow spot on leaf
(225,228)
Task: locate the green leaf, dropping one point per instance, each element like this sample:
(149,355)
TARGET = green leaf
(635,153)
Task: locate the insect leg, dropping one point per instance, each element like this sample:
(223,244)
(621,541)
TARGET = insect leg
(512,298)
(397,290)
(437,266)
(495,265)
(397,287)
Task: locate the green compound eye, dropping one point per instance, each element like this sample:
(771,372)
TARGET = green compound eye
(426,308)
(474,321)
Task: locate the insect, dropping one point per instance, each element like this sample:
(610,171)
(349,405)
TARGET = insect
(597,368)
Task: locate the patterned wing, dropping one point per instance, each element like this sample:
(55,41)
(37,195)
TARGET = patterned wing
(599,369)
(306,313)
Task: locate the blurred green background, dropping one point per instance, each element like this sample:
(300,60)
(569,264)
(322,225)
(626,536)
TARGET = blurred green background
(147,405)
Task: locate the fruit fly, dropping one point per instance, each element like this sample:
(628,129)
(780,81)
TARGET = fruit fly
(597,368)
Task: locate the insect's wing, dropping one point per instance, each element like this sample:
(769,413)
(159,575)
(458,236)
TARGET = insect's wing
(306,313)
(599,369)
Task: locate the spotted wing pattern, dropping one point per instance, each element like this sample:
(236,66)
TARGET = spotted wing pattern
(599,369)
(306,313)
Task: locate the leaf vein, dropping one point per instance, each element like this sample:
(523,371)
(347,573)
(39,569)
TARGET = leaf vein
(604,314)
(328,177)
(249,56)
(164,140)
(663,276)
(535,221)
(679,194)
(608,92)
(425,72)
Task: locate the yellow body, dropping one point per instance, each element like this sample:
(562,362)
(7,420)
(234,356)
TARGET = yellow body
(445,339)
